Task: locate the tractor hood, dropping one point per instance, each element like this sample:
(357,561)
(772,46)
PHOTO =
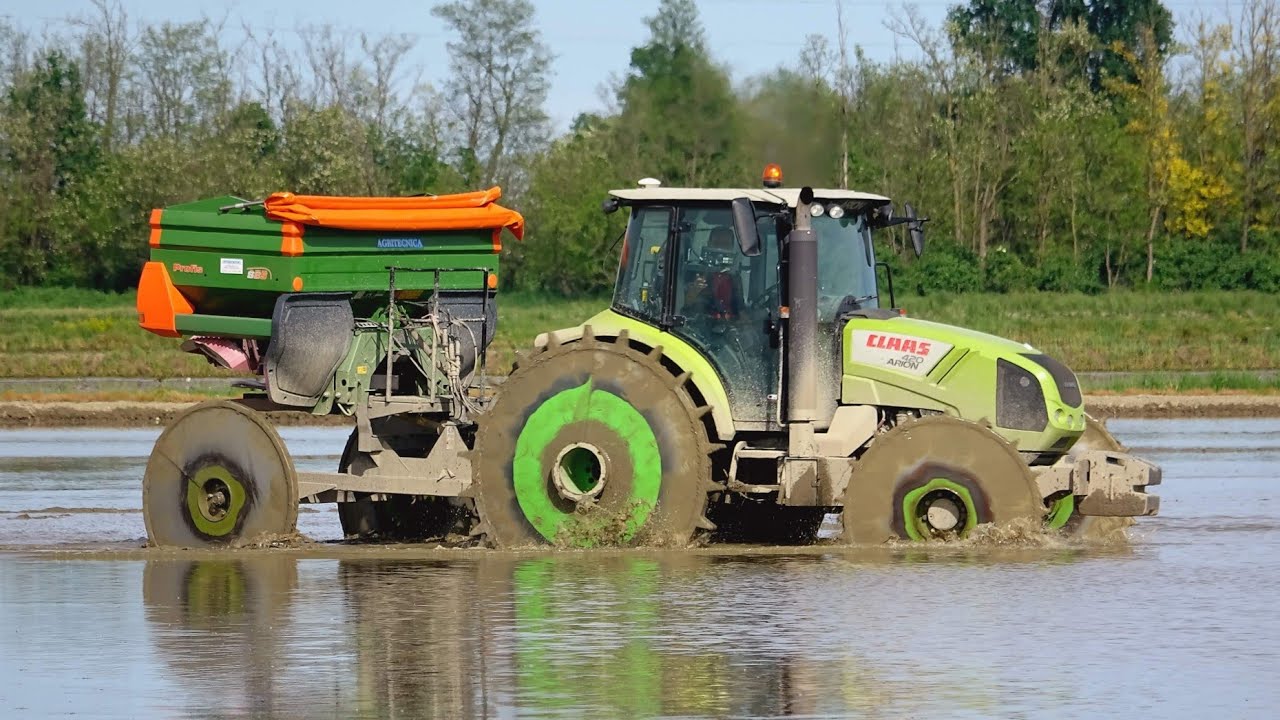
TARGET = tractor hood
(944,337)
(1029,397)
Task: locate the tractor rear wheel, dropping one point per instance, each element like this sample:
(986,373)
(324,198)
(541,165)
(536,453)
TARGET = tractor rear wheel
(399,518)
(592,443)
(1062,513)
(937,477)
(218,474)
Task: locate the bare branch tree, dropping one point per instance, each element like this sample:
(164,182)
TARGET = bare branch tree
(1257,47)
(500,76)
(106,55)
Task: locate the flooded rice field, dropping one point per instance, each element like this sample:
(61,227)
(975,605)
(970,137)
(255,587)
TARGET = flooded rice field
(1180,622)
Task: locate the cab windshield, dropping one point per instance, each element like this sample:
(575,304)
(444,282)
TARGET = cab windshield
(846,266)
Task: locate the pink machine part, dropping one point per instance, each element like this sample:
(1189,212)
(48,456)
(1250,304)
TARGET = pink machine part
(224,352)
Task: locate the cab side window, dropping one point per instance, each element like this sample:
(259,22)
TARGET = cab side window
(713,274)
(641,269)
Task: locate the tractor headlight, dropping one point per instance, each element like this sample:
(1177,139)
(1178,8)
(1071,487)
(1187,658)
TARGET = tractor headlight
(1019,399)
(836,212)
(816,210)
(1068,385)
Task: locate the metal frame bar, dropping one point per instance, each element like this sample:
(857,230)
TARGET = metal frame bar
(482,349)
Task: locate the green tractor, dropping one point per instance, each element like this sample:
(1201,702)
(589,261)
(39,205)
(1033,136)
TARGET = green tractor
(745,382)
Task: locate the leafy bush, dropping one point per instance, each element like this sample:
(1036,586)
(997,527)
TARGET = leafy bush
(1005,272)
(1060,271)
(1260,271)
(1191,265)
(1202,265)
(947,268)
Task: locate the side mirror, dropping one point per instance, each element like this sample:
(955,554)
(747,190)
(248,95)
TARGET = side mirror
(744,226)
(881,217)
(915,227)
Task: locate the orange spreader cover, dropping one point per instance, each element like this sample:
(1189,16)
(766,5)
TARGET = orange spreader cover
(463,211)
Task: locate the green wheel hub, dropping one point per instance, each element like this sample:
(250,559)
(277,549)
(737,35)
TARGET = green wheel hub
(938,508)
(579,472)
(1060,512)
(592,443)
(549,492)
(214,500)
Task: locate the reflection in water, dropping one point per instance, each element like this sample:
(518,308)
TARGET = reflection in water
(622,635)
(1179,624)
(587,629)
(420,642)
(215,626)
(599,630)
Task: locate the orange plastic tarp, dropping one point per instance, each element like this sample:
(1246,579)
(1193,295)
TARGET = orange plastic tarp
(463,211)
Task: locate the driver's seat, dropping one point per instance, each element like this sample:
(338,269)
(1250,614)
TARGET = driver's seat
(725,294)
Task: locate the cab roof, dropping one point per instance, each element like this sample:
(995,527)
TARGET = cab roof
(773,196)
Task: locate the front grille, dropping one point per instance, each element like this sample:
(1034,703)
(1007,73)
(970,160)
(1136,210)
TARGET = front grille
(1068,386)
(1019,399)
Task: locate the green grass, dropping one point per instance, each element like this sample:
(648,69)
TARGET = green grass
(134,395)
(80,333)
(1125,331)
(521,316)
(62,298)
(101,341)
(1165,383)
(97,335)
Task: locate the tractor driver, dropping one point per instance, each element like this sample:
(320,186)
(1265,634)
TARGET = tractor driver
(713,290)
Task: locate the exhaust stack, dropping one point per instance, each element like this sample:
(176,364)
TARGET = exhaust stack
(802,325)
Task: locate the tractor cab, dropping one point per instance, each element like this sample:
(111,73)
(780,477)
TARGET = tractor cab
(711,266)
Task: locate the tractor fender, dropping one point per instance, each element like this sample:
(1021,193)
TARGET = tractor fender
(677,355)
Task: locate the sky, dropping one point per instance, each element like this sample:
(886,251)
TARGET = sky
(591,39)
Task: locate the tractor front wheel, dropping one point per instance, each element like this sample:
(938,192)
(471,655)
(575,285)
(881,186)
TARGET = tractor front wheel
(935,478)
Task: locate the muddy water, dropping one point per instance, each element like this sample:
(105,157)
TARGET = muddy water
(1178,623)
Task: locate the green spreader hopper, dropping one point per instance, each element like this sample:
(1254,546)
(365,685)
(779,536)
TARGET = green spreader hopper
(218,266)
(330,298)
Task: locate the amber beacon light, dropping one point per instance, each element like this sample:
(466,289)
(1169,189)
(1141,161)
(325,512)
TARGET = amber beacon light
(773,175)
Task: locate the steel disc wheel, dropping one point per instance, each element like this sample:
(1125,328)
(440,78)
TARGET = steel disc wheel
(591,443)
(937,477)
(219,473)
(397,518)
(1062,513)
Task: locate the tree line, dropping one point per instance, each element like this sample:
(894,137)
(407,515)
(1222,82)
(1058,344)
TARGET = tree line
(1068,145)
